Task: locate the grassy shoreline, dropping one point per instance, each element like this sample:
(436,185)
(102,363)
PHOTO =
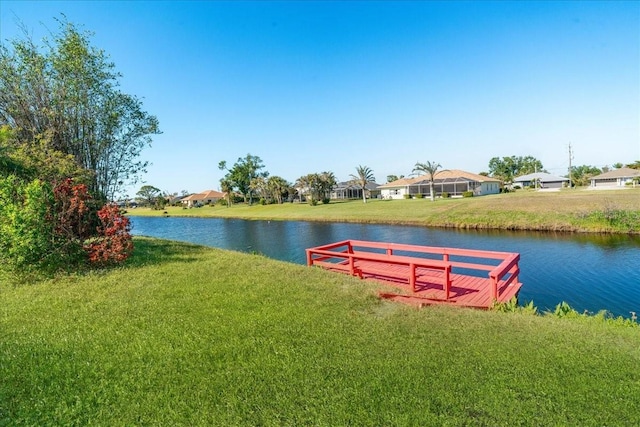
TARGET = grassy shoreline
(188,335)
(602,211)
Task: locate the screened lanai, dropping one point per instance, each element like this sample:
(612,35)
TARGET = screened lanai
(453,186)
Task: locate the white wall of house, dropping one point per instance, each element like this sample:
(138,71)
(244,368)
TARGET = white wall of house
(488,188)
(393,193)
(482,189)
(612,182)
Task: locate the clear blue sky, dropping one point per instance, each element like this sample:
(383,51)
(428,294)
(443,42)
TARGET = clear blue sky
(315,86)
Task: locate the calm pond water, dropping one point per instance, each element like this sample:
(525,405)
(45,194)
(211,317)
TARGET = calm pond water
(589,272)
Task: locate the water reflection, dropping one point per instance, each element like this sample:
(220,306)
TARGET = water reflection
(589,271)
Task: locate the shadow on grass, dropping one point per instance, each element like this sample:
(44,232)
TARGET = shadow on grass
(149,251)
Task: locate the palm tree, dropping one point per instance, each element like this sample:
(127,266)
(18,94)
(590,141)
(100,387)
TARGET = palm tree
(277,186)
(227,188)
(429,168)
(363,177)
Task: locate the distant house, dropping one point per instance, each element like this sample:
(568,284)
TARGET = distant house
(454,182)
(351,190)
(204,198)
(616,178)
(543,179)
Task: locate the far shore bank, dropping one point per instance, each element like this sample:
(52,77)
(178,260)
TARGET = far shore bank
(578,211)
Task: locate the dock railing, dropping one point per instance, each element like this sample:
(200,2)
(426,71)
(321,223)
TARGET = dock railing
(344,255)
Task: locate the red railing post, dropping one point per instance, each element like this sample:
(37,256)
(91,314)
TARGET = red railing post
(352,269)
(412,277)
(309,261)
(447,281)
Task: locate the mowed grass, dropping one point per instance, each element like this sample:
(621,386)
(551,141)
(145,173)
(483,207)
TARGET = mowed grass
(610,211)
(186,335)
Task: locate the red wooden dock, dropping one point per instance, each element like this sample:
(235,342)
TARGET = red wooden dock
(423,275)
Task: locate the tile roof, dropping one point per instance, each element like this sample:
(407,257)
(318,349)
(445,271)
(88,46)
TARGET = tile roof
(447,174)
(208,194)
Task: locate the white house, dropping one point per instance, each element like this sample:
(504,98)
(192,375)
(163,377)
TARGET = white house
(616,178)
(454,182)
(545,180)
(204,198)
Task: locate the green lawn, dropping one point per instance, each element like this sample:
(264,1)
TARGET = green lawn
(186,335)
(612,211)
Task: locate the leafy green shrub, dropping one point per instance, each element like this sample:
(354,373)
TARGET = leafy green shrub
(467,194)
(26,242)
(512,306)
(419,196)
(407,196)
(49,228)
(445,195)
(159,203)
(326,200)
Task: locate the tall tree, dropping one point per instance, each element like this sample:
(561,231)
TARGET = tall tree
(634,165)
(429,168)
(243,172)
(258,186)
(509,167)
(69,89)
(148,195)
(363,176)
(582,174)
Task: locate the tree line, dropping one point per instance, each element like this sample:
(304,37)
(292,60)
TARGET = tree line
(248,178)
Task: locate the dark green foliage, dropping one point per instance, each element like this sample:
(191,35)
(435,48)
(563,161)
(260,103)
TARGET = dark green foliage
(241,175)
(148,196)
(48,228)
(316,186)
(26,240)
(580,175)
(67,90)
(508,168)
(467,194)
